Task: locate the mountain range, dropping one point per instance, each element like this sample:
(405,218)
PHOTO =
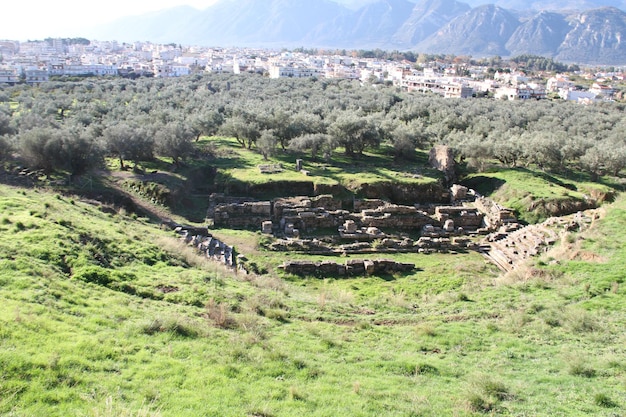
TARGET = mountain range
(581,31)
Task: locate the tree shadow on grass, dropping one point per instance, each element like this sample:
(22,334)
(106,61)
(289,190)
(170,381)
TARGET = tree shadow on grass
(483,184)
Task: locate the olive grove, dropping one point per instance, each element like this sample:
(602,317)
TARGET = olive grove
(72,126)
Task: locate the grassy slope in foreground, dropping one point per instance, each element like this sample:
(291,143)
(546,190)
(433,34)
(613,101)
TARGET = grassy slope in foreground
(103,314)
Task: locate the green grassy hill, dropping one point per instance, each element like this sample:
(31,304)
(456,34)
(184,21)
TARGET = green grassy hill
(103,313)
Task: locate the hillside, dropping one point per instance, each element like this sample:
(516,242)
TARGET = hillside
(105,313)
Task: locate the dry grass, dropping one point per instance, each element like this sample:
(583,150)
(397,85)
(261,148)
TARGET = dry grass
(571,249)
(526,274)
(190,255)
(219,314)
(114,409)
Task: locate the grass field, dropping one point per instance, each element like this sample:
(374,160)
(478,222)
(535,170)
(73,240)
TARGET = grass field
(372,167)
(531,192)
(103,313)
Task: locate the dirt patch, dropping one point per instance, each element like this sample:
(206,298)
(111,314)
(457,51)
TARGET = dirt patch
(558,208)
(587,256)
(166,290)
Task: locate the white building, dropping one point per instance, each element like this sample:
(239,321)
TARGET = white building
(578,96)
(292,71)
(602,90)
(555,84)
(35,76)
(8,76)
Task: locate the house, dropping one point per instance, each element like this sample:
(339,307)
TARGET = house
(521,92)
(35,76)
(294,71)
(458,90)
(8,76)
(555,84)
(578,96)
(602,90)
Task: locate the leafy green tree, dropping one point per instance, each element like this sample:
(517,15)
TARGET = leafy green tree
(80,152)
(593,161)
(206,124)
(245,132)
(6,147)
(128,142)
(354,133)
(41,148)
(5,124)
(404,138)
(174,140)
(316,143)
(266,144)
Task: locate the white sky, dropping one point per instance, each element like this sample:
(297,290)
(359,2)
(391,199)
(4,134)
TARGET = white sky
(37,19)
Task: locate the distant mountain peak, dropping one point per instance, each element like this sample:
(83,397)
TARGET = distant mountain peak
(505,27)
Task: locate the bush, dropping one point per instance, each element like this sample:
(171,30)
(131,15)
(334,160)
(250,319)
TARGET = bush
(94,274)
(578,368)
(5,148)
(603,400)
(174,325)
(53,149)
(485,393)
(219,314)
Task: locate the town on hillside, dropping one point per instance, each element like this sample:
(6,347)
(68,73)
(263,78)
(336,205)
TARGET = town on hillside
(35,62)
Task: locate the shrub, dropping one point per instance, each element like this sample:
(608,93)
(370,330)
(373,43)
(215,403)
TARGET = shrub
(581,321)
(412,369)
(426,329)
(93,274)
(478,402)
(579,368)
(485,393)
(175,325)
(218,313)
(603,400)
(462,297)
(295,394)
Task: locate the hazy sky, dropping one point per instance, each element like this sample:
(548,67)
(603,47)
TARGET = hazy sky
(38,19)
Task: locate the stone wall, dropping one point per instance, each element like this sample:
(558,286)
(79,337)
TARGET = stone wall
(465,217)
(368,204)
(326,202)
(392,216)
(242,215)
(349,268)
(441,157)
(404,193)
(495,214)
(218,199)
(206,244)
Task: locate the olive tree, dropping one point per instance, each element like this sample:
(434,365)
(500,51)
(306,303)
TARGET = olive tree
(174,140)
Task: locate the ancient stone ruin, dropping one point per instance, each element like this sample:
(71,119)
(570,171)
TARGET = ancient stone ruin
(508,250)
(441,157)
(206,244)
(325,225)
(353,267)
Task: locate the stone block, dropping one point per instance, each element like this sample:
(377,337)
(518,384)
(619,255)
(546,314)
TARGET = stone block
(350,226)
(266,227)
(458,192)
